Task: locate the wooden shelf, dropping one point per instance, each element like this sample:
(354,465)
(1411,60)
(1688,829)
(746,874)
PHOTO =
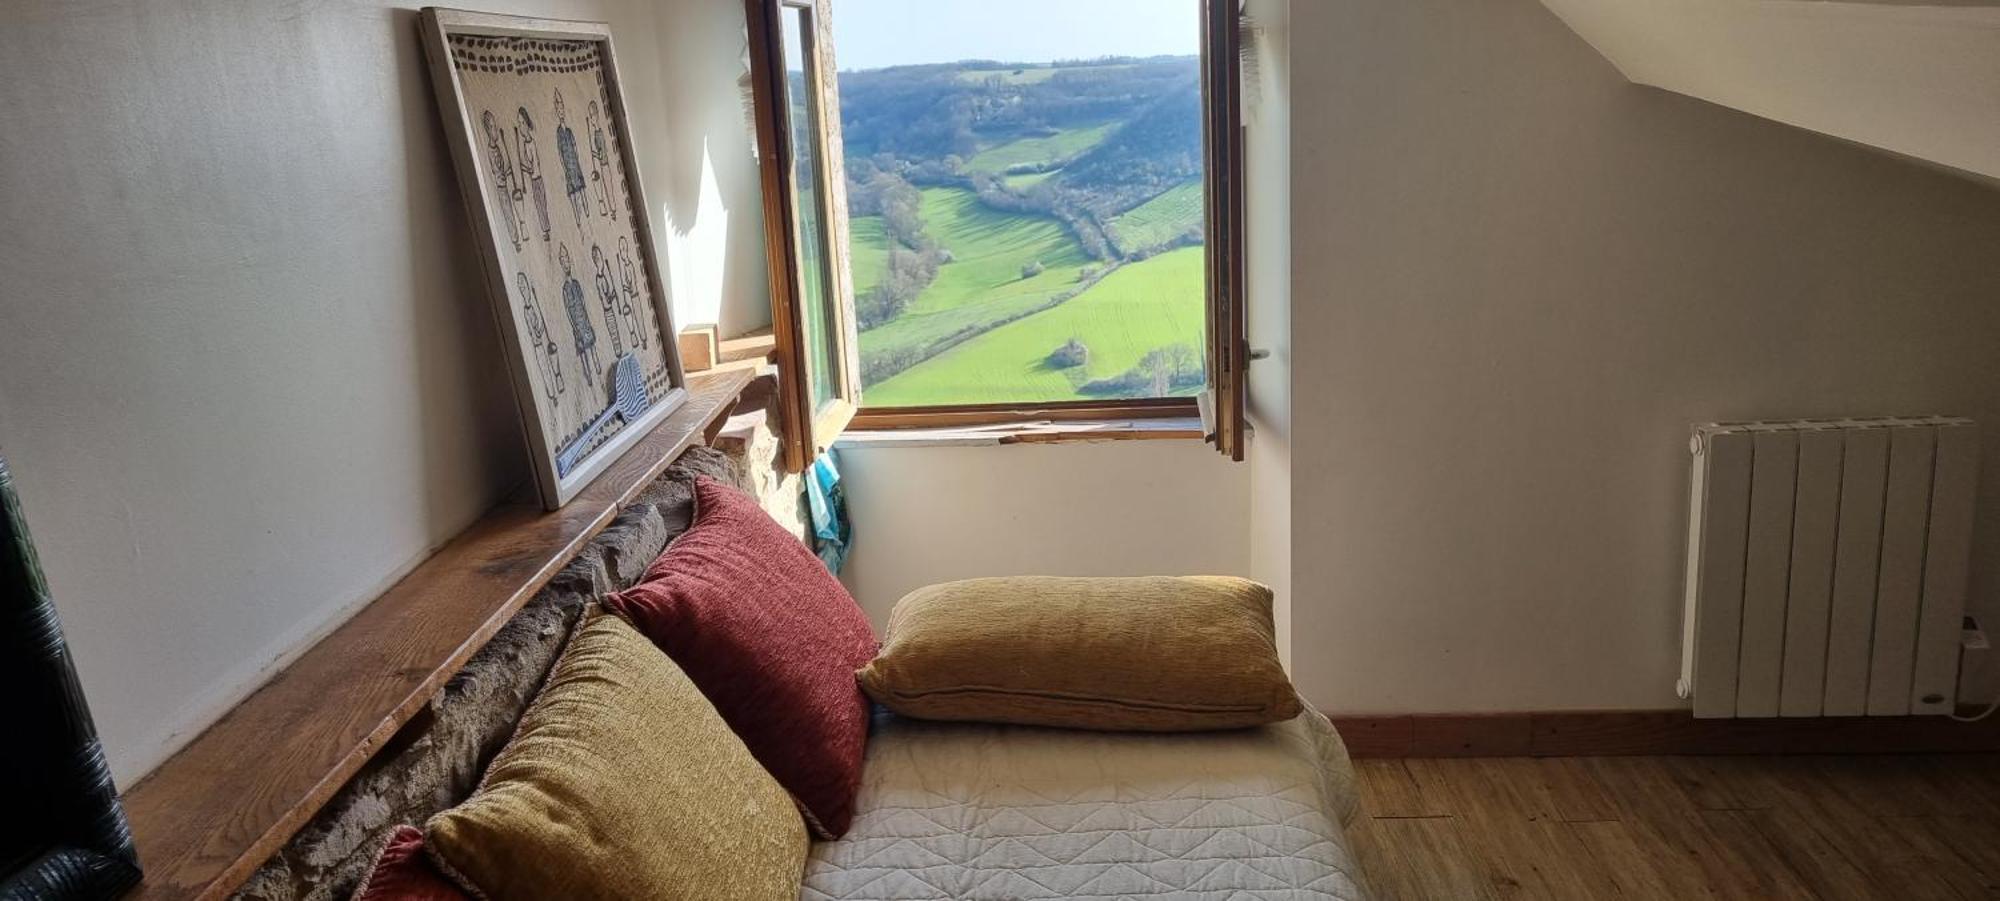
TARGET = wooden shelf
(759,346)
(214,812)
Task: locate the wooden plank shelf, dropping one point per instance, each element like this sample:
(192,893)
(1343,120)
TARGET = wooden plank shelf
(214,812)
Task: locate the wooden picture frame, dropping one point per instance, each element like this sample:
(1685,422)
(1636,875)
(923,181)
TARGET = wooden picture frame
(552,188)
(64,836)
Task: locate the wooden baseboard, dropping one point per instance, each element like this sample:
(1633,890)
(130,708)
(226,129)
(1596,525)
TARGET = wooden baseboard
(1627,732)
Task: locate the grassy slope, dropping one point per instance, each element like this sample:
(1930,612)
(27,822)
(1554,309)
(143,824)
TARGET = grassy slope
(1031,74)
(983,283)
(868,245)
(1029,180)
(1025,75)
(1165,217)
(1133,310)
(1059,146)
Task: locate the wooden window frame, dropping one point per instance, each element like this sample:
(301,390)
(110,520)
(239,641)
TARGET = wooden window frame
(1221,405)
(808,431)
(1223,187)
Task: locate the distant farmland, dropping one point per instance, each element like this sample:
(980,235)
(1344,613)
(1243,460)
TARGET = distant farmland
(982,286)
(1039,150)
(1140,307)
(1026,233)
(1160,220)
(870,251)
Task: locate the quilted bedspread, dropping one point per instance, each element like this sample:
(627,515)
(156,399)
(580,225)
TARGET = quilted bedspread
(964,811)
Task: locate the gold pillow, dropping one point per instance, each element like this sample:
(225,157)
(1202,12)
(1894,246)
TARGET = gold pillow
(1155,654)
(622,782)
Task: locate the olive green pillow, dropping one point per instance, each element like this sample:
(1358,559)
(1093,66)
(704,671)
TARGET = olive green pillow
(622,782)
(1156,654)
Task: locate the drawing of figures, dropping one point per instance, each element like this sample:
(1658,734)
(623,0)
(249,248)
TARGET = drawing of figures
(530,162)
(600,161)
(504,189)
(607,297)
(628,282)
(546,353)
(579,203)
(579,318)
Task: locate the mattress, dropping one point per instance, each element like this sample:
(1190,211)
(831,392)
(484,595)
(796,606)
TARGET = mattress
(968,811)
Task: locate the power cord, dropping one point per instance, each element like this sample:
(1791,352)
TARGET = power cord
(1978,716)
(1975,639)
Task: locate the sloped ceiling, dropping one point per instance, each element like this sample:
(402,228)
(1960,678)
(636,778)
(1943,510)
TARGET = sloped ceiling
(1918,80)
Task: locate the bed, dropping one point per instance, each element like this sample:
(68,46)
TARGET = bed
(972,811)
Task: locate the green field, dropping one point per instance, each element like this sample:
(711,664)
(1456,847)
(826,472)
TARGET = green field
(1028,180)
(1024,75)
(1135,309)
(1030,74)
(1159,220)
(1052,149)
(982,284)
(869,249)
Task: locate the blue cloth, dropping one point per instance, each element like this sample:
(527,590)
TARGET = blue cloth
(832,532)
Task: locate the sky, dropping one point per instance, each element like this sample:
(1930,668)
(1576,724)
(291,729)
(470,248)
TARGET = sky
(871,34)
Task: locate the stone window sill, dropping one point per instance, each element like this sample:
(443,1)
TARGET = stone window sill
(1036,432)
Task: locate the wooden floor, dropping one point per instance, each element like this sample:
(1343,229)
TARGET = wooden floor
(1680,828)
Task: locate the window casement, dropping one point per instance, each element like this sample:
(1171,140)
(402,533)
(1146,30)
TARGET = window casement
(796,92)
(805,221)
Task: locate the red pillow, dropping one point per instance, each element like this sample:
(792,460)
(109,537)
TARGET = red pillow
(773,640)
(403,873)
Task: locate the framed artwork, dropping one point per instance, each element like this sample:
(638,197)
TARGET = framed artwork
(64,836)
(539,136)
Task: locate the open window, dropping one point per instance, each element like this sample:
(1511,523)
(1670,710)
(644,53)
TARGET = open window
(989,240)
(805,221)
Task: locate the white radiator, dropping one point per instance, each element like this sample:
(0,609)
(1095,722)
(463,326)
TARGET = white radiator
(1827,562)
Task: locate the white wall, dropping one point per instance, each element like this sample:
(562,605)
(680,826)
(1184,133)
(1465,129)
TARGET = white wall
(1268,288)
(712,192)
(252,374)
(1917,78)
(1517,280)
(1117,508)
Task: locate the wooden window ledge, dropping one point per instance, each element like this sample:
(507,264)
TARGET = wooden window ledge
(1034,432)
(215,811)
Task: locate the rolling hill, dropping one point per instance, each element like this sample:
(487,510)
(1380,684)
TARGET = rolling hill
(1002,210)
(1162,220)
(1064,144)
(982,285)
(1141,307)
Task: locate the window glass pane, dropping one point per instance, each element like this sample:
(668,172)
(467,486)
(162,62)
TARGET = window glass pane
(816,293)
(1026,199)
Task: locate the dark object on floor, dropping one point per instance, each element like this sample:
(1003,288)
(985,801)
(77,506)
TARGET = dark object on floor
(64,836)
